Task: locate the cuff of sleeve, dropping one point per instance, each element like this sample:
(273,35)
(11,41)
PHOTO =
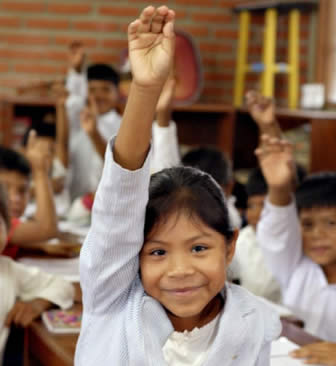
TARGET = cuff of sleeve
(280,210)
(171,128)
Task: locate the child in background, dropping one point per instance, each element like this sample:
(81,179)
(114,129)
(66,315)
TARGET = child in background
(252,270)
(25,292)
(16,173)
(46,137)
(298,237)
(153,266)
(99,120)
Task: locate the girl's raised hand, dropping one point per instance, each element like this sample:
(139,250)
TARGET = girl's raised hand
(151,41)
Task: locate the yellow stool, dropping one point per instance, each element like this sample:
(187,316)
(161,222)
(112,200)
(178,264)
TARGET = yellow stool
(269,67)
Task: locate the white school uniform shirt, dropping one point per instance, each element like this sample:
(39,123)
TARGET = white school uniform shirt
(86,165)
(190,348)
(253,272)
(304,285)
(27,283)
(121,324)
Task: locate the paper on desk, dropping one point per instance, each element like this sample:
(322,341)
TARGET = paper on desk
(68,268)
(280,353)
(74,229)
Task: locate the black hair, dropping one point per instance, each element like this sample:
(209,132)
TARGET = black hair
(317,190)
(42,129)
(189,190)
(256,184)
(4,212)
(211,161)
(14,161)
(103,72)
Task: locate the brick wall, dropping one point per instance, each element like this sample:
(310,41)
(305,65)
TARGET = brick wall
(34,35)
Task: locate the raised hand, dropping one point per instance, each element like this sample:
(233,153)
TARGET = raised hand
(39,157)
(151,40)
(89,117)
(323,353)
(76,56)
(277,162)
(262,109)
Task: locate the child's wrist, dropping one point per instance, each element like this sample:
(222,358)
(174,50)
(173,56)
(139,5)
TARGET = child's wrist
(147,90)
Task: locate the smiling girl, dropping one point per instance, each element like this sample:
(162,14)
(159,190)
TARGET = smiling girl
(153,266)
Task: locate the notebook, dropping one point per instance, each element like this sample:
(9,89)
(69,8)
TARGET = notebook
(62,321)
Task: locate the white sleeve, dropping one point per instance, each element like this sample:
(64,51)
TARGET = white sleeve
(279,235)
(264,358)
(165,147)
(32,283)
(76,84)
(109,259)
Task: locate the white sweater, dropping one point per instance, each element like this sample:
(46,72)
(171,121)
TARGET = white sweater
(27,283)
(121,324)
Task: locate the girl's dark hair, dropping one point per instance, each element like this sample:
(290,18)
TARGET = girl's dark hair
(256,184)
(4,206)
(188,190)
(317,190)
(14,161)
(212,161)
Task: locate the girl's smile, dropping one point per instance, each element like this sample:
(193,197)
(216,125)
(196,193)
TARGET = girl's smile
(183,266)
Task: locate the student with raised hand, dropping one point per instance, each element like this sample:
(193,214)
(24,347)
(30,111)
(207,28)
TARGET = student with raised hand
(25,292)
(16,173)
(298,237)
(153,266)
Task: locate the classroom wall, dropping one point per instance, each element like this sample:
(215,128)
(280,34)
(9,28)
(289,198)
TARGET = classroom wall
(34,36)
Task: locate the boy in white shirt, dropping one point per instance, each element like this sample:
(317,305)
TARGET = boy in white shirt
(25,292)
(253,272)
(298,237)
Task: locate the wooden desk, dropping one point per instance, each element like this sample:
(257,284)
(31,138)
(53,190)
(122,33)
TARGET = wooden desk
(49,349)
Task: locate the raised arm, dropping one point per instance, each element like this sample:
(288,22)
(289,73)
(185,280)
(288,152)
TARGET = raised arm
(165,141)
(262,110)
(278,230)
(44,225)
(109,258)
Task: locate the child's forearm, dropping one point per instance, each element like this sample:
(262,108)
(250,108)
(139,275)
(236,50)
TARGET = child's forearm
(280,196)
(45,207)
(98,142)
(62,134)
(132,142)
(164,117)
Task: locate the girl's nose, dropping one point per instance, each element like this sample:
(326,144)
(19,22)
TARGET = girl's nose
(180,266)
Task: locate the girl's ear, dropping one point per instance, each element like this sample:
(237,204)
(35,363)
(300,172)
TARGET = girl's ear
(231,247)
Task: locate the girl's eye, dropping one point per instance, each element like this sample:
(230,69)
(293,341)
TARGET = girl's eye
(158,252)
(199,248)
(307,225)
(332,223)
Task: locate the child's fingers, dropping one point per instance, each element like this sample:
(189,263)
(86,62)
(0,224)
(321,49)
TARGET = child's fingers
(168,27)
(31,139)
(133,29)
(146,19)
(158,19)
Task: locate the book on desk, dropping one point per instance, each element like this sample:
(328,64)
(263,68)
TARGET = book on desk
(63,321)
